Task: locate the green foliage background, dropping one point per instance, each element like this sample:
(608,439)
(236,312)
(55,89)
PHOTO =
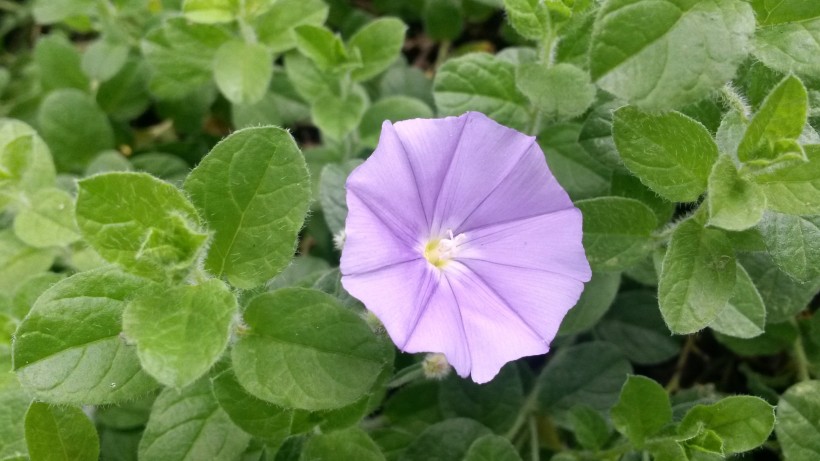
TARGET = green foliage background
(171,187)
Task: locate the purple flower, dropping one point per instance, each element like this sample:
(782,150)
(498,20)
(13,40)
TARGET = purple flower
(461,241)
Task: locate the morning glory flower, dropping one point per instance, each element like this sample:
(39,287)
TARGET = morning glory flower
(461,241)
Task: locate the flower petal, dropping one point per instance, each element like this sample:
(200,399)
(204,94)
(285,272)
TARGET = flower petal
(528,189)
(417,308)
(484,157)
(541,299)
(497,332)
(429,146)
(386,184)
(548,242)
(370,244)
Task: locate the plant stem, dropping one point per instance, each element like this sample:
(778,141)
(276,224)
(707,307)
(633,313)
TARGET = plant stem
(535,454)
(735,100)
(799,356)
(406,375)
(674,382)
(441,54)
(526,409)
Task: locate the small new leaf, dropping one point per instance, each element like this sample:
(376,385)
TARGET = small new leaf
(140,222)
(781,118)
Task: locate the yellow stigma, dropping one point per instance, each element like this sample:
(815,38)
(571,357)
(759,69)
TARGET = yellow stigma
(439,251)
(433,254)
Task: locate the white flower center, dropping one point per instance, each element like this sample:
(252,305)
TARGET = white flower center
(439,251)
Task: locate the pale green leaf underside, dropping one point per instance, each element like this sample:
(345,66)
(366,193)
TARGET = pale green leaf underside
(697,277)
(688,49)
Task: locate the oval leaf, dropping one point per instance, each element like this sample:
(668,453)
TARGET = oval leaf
(253,189)
(73,328)
(304,350)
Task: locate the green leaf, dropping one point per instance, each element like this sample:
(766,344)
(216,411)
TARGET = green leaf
(790,47)
(483,83)
(164,166)
(14,401)
(798,421)
(124,96)
(127,415)
(103,59)
(697,277)
(27,293)
(667,449)
(140,222)
(180,332)
(491,448)
(616,231)
(310,83)
(769,12)
(59,64)
(60,433)
(275,27)
(378,45)
(253,190)
(321,45)
(25,161)
(782,116)
(303,350)
(180,55)
(449,440)
(48,220)
(742,422)
(595,300)
(530,18)
(794,243)
(402,79)
(338,115)
(51,11)
(352,443)
(495,404)
(110,160)
(642,409)
(255,416)
(730,131)
(629,186)
(636,327)
(75,128)
(561,92)
(581,175)
(689,49)
(734,202)
(744,316)
(783,296)
(332,194)
(210,11)
(590,373)
(72,329)
(390,108)
(670,153)
(243,71)
(19,261)
(189,425)
(590,428)
(794,188)
(443,19)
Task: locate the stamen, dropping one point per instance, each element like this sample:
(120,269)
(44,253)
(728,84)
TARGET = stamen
(440,251)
